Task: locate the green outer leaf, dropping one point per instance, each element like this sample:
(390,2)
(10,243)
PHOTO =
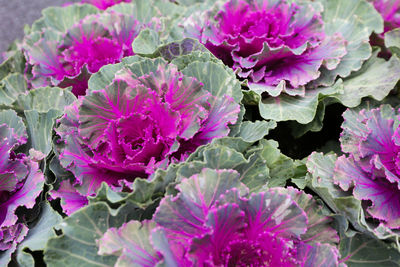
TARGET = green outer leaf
(11,86)
(38,235)
(320,180)
(63,18)
(131,243)
(138,65)
(13,121)
(281,167)
(300,109)
(78,245)
(361,250)
(146,42)
(105,75)
(45,98)
(40,128)
(355,20)
(254,131)
(15,63)
(376,79)
(216,79)
(392,41)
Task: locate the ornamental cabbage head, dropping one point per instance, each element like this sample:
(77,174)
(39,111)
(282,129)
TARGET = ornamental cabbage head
(67,57)
(269,42)
(104,4)
(20,183)
(213,221)
(390,11)
(138,123)
(371,138)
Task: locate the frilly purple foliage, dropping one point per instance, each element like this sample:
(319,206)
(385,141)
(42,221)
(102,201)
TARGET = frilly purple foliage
(104,4)
(138,124)
(214,222)
(95,41)
(268,41)
(372,167)
(20,183)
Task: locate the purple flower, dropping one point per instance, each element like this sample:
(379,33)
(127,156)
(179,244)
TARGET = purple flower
(95,41)
(139,123)
(214,222)
(268,42)
(390,11)
(20,183)
(372,168)
(104,4)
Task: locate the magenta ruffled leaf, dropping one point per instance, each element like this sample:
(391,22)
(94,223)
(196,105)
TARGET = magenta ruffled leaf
(10,237)
(71,199)
(21,182)
(372,170)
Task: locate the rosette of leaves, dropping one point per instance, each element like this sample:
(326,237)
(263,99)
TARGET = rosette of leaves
(70,43)
(362,184)
(214,221)
(140,115)
(296,56)
(21,182)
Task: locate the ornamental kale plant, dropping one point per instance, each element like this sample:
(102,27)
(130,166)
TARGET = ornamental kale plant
(268,42)
(213,221)
(141,121)
(21,182)
(66,54)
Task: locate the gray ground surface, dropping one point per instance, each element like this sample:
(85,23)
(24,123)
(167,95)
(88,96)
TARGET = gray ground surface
(14,14)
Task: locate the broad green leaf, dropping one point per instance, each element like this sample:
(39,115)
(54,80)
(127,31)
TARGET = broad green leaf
(146,42)
(45,98)
(40,128)
(38,235)
(10,118)
(254,131)
(13,64)
(301,109)
(131,243)
(78,244)
(320,180)
(355,21)
(105,75)
(369,81)
(281,167)
(216,79)
(63,18)
(361,250)
(11,86)
(392,41)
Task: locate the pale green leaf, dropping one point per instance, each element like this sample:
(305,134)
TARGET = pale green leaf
(254,131)
(146,42)
(38,235)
